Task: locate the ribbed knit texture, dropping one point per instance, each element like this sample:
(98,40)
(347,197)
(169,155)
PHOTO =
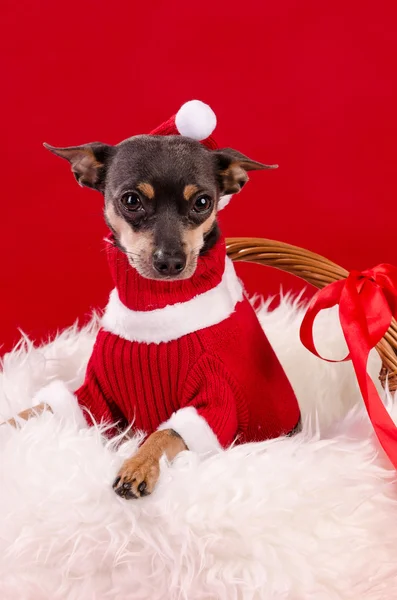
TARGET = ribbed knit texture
(138,293)
(228,372)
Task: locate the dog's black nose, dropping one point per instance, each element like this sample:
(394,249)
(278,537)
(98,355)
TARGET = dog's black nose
(169,264)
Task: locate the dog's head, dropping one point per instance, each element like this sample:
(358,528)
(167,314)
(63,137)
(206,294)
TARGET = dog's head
(161,196)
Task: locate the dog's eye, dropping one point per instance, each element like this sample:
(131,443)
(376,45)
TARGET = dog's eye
(202,204)
(131,201)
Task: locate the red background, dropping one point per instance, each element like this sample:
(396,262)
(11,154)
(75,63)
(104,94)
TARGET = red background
(311,85)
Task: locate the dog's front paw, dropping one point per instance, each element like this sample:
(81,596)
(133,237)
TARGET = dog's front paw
(139,474)
(137,477)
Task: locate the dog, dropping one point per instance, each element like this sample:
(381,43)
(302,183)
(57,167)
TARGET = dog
(180,353)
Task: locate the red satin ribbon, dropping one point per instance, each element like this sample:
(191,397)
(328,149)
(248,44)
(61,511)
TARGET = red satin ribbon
(367,302)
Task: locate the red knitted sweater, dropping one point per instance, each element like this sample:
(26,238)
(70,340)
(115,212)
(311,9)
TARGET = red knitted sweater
(169,346)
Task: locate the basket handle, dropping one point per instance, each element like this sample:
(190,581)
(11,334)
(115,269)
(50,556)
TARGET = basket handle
(319,272)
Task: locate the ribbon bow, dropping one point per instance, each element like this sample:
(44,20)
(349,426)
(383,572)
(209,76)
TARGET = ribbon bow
(367,302)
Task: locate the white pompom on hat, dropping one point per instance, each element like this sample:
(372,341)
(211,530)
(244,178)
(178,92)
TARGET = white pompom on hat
(195,120)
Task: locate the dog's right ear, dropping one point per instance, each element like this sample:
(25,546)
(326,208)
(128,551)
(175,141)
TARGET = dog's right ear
(232,167)
(88,162)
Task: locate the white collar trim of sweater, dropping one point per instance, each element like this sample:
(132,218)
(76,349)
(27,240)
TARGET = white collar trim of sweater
(176,320)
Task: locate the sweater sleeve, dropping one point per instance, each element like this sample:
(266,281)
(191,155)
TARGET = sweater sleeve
(92,397)
(208,418)
(74,406)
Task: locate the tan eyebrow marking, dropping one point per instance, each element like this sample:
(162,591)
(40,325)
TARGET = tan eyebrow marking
(146,189)
(189,191)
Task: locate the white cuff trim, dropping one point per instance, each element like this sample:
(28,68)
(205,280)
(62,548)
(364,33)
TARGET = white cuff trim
(62,402)
(193,429)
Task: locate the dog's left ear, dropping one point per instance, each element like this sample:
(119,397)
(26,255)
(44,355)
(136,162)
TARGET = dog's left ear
(232,167)
(88,162)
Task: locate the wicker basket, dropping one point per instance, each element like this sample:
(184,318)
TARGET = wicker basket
(317,271)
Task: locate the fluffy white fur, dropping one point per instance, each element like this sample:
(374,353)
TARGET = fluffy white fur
(306,518)
(175,320)
(62,402)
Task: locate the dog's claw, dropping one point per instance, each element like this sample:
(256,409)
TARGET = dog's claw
(142,487)
(124,491)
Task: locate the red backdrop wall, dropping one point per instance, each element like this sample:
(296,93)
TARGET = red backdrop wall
(310,85)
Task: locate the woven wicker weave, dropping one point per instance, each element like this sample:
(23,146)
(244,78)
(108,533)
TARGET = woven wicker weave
(317,271)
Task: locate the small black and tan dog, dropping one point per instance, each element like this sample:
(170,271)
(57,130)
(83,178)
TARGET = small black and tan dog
(161,196)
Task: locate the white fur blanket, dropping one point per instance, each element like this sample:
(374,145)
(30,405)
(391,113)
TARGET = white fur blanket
(306,518)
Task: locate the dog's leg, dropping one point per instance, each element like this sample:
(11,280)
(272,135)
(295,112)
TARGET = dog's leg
(28,413)
(139,474)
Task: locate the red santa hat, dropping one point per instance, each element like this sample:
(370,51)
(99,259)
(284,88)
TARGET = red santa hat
(195,120)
